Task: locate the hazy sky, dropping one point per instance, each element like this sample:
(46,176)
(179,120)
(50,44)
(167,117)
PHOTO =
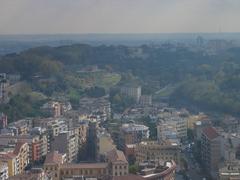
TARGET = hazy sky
(118,16)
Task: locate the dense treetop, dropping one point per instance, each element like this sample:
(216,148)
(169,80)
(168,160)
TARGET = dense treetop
(210,81)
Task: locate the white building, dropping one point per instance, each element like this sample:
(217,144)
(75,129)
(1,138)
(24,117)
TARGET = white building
(134,92)
(171,127)
(134,133)
(167,131)
(3,171)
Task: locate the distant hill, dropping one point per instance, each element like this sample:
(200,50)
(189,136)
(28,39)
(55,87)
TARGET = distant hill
(210,81)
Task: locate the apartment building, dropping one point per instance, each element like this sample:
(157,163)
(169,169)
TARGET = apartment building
(191,120)
(21,127)
(154,151)
(210,149)
(52,108)
(11,161)
(17,160)
(3,171)
(4,84)
(22,155)
(3,121)
(118,165)
(230,171)
(104,144)
(166,131)
(132,91)
(66,143)
(145,100)
(38,144)
(100,107)
(134,133)
(33,174)
(80,130)
(52,164)
(177,125)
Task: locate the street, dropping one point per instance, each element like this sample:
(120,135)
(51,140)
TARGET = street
(194,171)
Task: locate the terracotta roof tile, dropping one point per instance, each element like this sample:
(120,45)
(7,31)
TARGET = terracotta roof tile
(210,132)
(116,155)
(54,157)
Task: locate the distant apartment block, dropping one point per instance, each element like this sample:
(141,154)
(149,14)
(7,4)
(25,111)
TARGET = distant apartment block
(4,84)
(134,133)
(131,91)
(145,100)
(66,143)
(104,144)
(3,121)
(21,127)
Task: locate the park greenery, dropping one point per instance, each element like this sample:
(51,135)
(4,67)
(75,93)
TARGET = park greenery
(210,82)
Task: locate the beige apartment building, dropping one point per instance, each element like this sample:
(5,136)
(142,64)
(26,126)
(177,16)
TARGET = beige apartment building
(154,151)
(118,165)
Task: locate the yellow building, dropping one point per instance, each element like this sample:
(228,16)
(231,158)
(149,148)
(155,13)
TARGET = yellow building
(22,156)
(16,160)
(84,170)
(10,160)
(56,167)
(194,118)
(105,143)
(52,163)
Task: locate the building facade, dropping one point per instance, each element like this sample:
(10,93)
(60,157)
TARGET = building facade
(133,92)
(66,143)
(134,133)
(154,151)
(210,149)
(118,165)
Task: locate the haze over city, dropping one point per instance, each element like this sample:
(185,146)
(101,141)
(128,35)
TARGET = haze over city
(119,89)
(118,16)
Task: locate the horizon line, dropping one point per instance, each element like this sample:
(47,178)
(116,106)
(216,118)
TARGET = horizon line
(113,33)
